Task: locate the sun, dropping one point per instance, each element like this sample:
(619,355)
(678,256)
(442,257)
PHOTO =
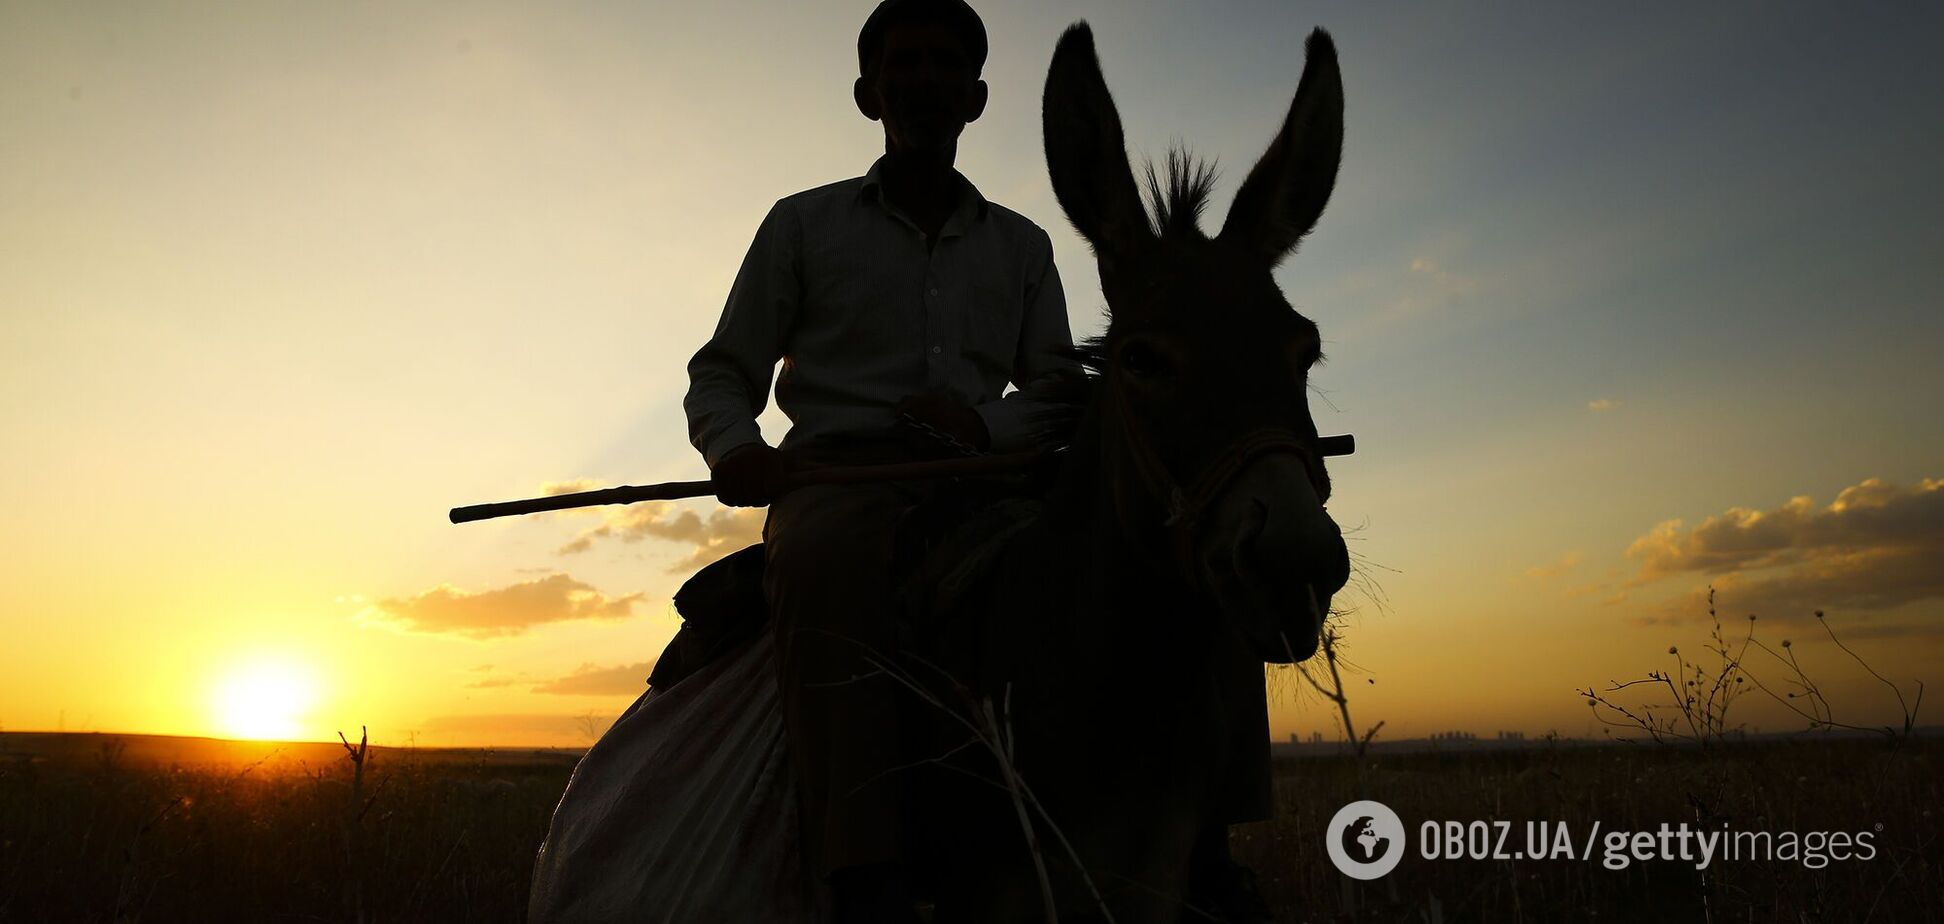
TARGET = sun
(265,699)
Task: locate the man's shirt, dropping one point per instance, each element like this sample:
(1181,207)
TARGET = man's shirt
(841,287)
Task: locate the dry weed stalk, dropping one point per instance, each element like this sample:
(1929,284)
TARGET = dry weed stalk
(355,809)
(990,729)
(1335,693)
(1699,697)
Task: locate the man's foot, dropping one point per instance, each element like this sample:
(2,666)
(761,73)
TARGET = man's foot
(877,893)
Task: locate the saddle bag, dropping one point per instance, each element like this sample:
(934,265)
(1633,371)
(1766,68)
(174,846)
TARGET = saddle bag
(722,607)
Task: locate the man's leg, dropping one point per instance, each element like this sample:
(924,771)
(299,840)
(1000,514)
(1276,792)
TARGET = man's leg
(1216,880)
(828,582)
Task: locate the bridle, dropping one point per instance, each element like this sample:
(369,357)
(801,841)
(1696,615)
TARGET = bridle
(1186,504)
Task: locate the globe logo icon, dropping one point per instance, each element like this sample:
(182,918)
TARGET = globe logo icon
(1365,840)
(1361,841)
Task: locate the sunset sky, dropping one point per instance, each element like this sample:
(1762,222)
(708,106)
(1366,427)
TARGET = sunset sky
(1618,302)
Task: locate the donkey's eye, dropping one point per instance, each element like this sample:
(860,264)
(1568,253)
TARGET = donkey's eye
(1143,360)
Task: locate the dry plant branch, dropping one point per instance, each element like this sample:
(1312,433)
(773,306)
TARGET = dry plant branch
(353,824)
(1698,698)
(1335,693)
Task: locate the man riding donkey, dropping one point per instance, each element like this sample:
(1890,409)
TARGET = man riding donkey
(899,302)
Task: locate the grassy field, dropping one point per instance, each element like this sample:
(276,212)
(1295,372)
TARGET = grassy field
(108,827)
(113,827)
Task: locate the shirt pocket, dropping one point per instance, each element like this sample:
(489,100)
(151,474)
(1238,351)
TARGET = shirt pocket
(992,318)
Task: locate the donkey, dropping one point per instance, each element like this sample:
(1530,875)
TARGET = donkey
(1119,634)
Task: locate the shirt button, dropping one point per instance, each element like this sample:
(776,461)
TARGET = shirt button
(934,291)
(935,349)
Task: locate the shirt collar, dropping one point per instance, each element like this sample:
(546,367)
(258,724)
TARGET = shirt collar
(971,205)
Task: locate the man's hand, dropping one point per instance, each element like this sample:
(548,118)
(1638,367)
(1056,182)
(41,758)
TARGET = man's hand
(750,475)
(948,415)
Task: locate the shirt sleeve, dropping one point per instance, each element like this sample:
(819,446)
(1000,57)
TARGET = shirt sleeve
(1041,361)
(729,377)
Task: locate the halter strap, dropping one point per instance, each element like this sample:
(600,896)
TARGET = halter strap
(1185,507)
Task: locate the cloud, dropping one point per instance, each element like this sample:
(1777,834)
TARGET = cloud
(1877,546)
(509,610)
(488,683)
(570,486)
(1599,405)
(724,530)
(1443,278)
(493,683)
(1428,289)
(1400,294)
(1866,581)
(1566,563)
(591,680)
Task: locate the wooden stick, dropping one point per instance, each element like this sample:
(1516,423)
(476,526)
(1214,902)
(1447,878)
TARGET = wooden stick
(831,474)
(1005,464)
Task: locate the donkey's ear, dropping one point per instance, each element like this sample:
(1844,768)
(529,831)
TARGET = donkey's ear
(1086,153)
(1286,192)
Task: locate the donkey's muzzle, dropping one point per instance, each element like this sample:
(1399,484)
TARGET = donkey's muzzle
(1272,558)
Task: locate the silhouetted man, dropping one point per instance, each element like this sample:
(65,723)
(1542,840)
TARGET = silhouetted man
(902,291)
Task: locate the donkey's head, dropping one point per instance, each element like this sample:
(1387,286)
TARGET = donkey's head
(1204,364)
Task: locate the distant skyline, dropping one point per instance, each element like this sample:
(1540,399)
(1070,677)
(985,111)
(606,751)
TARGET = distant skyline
(1618,302)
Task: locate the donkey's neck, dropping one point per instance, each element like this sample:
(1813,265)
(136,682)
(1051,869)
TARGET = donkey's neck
(1100,503)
